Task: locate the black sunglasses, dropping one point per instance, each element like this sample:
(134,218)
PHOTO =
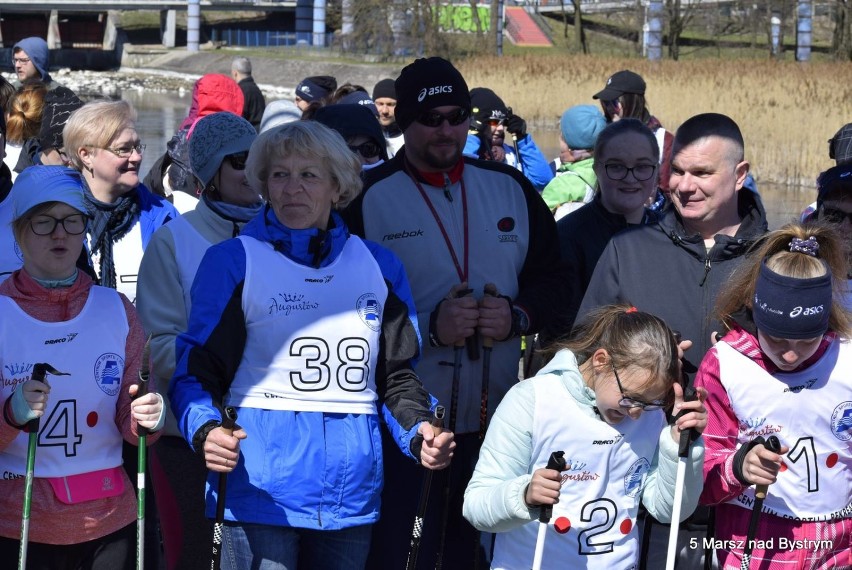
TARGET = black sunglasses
(237,161)
(367,149)
(436,119)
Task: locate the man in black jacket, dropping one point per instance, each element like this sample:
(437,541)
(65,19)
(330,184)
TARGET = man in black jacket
(253,102)
(675,267)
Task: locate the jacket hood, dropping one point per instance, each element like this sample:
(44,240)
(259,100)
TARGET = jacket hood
(312,247)
(213,93)
(36,50)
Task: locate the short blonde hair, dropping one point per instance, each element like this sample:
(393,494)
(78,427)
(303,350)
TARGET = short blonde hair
(307,139)
(96,124)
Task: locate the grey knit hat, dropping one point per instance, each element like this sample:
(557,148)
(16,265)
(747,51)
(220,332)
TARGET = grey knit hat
(213,138)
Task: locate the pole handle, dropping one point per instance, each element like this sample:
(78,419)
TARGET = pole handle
(438,420)
(229,419)
(557,462)
(774,445)
(690,435)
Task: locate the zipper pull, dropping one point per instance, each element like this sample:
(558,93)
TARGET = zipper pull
(706,270)
(447,194)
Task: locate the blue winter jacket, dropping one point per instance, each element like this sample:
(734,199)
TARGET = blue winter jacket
(531,161)
(313,470)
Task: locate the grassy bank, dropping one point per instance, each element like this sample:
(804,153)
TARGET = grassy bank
(787,110)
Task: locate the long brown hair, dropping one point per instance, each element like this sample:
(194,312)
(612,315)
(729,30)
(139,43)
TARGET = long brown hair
(775,248)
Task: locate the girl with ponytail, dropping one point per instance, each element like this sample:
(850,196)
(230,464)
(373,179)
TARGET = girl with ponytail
(602,401)
(783,369)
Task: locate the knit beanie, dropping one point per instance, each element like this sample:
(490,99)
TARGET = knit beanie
(279,112)
(40,184)
(486,106)
(316,87)
(581,125)
(352,121)
(425,84)
(384,89)
(59,103)
(215,137)
(359,98)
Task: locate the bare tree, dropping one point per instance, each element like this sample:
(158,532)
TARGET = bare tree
(841,41)
(679,17)
(579,33)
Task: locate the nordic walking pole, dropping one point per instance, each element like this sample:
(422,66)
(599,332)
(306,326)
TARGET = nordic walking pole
(454,408)
(487,347)
(686,437)
(141,460)
(40,371)
(417,531)
(558,463)
(760,492)
(458,349)
(228,423)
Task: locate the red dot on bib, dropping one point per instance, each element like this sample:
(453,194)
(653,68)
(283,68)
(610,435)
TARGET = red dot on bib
(92,419)
(831,460)
(626,526)
(562,525)
(783,467)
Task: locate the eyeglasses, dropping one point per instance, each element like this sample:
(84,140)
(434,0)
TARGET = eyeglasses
(641,172)
(367,149)
(834,216)
(436,119)
(74,225)
(238,160)
(21,60)
(626,402)
(496,122)
(62,154)
(126,151)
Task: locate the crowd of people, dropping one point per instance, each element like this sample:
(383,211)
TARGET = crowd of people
(380,329)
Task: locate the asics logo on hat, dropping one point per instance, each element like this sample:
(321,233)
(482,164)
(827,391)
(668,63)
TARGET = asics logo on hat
(437,90)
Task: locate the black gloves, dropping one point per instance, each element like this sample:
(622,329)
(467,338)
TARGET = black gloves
(516,126)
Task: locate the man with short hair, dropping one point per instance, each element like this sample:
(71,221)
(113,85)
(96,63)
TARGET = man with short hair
(674,268)
(384,96)
(31,60)
(253,102)
(481,252)
(490,122)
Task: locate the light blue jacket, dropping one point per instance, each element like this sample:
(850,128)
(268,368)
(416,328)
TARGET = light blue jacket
(494,499)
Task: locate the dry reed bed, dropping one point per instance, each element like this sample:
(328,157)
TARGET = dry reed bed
(786,110)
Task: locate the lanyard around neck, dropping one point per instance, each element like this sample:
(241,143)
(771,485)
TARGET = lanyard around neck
(461,270)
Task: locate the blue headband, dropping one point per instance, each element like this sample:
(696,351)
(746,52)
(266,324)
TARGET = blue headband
(791,308)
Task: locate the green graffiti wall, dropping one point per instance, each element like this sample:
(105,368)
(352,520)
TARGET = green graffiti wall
(454,18)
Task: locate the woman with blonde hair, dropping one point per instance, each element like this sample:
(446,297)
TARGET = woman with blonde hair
(309,332)
(102,143)
(783,371)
